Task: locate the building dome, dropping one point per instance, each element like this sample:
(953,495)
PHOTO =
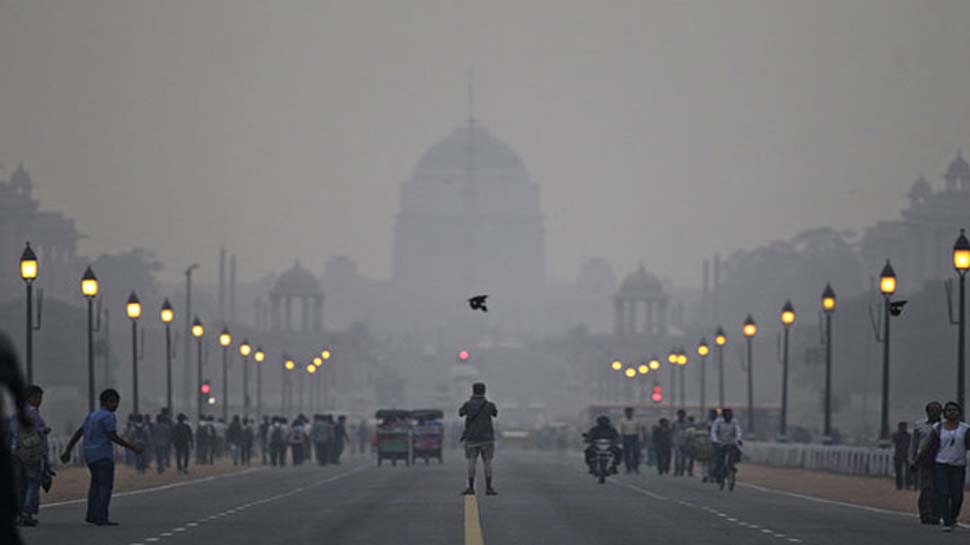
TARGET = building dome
(296,280)
(641,284)
(959,169)
(466,149)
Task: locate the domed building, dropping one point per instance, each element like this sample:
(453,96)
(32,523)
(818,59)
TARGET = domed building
(296,286)
(640,290)
(469,222)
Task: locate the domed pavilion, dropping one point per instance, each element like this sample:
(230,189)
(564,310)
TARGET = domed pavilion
(297,286)
(640,294)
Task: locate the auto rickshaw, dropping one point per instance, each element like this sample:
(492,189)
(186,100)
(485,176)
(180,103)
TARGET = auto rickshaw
(428,435)
(393,437)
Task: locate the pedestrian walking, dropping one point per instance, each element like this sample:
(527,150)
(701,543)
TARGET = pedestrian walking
(277,442)
(951,442)
(662,442)
(234,437)
(922,462)
(162,441)
(321,434)
(248,440)
(679,437)
(182,440)
(479,436)
(100,430)
(901,440)
(31,459)
(630,429)
(340,438)
(264,439)
(140,437)
(11,380)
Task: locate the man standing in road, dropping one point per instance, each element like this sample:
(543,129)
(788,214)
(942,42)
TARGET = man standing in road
(901,440)
(100,429)
(479,436)
(679,435)
(182,439)
(630,429)
(919,442)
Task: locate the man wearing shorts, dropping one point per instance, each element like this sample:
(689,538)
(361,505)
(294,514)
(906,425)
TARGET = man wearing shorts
(479,436)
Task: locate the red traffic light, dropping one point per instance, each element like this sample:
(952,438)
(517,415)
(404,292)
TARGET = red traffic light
(464,355)
(205,388)
(658,394)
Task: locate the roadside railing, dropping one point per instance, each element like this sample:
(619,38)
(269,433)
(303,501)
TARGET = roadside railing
(869,461)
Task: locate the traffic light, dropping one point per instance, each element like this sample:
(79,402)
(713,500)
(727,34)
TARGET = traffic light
(206,388)
(658,393)
(463,356)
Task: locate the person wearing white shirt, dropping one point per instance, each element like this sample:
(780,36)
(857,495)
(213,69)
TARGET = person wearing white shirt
(630,429)
(951,463)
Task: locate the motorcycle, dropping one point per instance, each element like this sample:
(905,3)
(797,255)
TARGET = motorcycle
(603,460)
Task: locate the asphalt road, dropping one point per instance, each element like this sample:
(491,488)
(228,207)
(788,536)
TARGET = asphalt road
(544,499)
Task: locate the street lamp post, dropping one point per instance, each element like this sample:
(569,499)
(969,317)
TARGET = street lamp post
(672,360)
(703,350)
(961,262)
(245,349)
(259,356)
(133,308)
(720,339)
(188,329)
(225,339)
(286,393)
(89,289)
(198,331)
(28,272)
(681,362)
(167,314)
(749,330)
(828,307)
(787,319)
(887,285)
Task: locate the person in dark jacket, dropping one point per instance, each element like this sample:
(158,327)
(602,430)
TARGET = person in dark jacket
(340,438)
(182,441)
(479,436)
(603,430)
(662,442)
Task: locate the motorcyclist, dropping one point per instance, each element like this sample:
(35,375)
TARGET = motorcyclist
(726,435)
(603,430)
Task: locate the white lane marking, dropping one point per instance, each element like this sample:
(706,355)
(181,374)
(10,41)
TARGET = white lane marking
(166,534)
(157,488)
(151,539)
(179,529)
(191,524)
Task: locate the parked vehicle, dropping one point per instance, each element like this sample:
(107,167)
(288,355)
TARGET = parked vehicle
(393,437)
(428,435)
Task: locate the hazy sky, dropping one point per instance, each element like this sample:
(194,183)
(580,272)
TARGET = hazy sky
(658,131)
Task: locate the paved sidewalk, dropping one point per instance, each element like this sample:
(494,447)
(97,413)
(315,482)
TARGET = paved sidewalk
(878,492)
(71,483)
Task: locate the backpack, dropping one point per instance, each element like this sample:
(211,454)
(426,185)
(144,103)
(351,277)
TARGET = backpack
(30,445)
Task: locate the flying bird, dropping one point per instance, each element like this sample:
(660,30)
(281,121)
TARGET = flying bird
(478,303)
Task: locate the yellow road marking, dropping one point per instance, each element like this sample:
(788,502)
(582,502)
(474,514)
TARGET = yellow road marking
(473,523)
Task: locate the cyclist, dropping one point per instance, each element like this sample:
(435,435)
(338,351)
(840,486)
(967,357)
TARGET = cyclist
(726,435)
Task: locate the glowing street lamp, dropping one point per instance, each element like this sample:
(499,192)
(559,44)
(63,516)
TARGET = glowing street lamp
(225,339)
(630,372)
(28,273)
(654,363)
(326,355)
(617,365)
(318,361)
(703,349)
(720,339)
(245,349)
(198,331)
(750,329)
(259,357)
(961,262)
(89,289)
(643,369)
(828,307)
(167,314)
(133,308)
(787,319)
(887,286)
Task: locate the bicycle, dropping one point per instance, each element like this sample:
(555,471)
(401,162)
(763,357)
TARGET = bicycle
(730,454)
